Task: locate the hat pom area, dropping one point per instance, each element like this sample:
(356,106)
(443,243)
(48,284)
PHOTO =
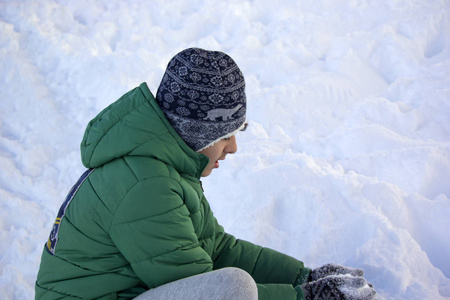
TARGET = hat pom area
(202,94)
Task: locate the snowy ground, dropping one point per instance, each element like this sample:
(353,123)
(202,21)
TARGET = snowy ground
(347,156)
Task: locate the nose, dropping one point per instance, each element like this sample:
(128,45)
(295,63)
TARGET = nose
(231,146)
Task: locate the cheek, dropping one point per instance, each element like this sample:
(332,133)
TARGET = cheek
(213,158)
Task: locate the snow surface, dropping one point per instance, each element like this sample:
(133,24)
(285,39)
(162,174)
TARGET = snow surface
(347,156)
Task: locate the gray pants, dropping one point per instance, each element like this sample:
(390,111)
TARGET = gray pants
(226,283)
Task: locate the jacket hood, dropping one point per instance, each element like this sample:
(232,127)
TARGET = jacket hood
(135,125)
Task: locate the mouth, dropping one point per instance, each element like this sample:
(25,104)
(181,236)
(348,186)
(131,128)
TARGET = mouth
(216,164)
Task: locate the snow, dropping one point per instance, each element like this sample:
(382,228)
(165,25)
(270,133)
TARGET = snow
(347,156)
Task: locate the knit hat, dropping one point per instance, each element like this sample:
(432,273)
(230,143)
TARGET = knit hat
(202,94)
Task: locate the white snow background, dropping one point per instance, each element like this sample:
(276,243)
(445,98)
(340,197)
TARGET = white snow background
(347,156)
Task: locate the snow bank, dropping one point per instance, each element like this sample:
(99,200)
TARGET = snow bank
(347,156)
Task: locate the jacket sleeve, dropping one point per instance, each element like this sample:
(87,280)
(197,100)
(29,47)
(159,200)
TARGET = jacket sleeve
(153,231)
(275,273)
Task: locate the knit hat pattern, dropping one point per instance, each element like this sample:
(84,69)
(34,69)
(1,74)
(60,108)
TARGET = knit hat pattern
(202,94)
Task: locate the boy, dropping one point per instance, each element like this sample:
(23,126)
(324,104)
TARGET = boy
(137,224)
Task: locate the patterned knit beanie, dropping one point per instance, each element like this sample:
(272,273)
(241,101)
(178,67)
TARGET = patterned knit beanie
(202,95)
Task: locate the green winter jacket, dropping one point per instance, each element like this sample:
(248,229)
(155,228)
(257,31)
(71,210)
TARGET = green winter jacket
(138,218)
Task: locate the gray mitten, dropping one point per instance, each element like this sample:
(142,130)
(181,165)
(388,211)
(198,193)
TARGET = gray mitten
(334,269)
(339,287)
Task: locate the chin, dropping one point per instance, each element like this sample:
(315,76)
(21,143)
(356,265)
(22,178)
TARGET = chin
(206,173)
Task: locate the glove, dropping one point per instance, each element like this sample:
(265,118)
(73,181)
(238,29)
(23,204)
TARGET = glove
(339,287)
(334,269)
(336,282)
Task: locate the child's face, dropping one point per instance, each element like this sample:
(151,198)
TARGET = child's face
(217,152)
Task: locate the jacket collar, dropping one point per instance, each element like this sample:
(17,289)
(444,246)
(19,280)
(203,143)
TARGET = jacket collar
(135,125)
